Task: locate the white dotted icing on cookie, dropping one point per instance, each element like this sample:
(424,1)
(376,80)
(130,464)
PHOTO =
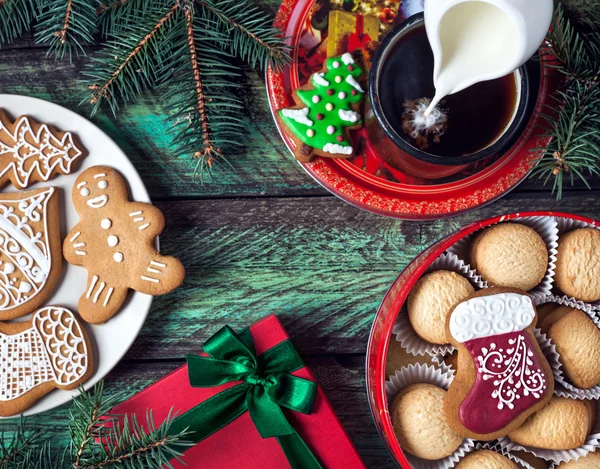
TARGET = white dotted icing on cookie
(106,223)
(113,241)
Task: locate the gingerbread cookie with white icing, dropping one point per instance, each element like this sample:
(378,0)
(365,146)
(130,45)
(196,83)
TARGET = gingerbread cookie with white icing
(49,351)
(502,376)
(327,108)
(30,250)
(32,152)
(114,241)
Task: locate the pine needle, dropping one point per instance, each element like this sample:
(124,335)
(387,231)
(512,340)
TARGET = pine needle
(253,39)
(16,17)
(66,26)
(128,64)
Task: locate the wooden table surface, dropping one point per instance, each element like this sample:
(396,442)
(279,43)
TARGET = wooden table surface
(264,238)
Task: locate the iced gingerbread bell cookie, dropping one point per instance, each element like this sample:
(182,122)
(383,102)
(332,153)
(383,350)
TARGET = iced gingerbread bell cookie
(327,108)
(502,376)
(114,241)
(30,250)
(49,351)
(31,152)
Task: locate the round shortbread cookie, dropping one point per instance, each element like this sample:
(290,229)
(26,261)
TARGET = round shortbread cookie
(553,317)
(578,264)
(577,341)
(562,425)
(486,459)
(510,255)
(431,300)
(420,425)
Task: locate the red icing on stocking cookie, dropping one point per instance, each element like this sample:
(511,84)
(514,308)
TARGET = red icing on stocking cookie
(502,375)
(509,381)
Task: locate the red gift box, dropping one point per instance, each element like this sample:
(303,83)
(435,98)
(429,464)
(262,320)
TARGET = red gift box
(239,445)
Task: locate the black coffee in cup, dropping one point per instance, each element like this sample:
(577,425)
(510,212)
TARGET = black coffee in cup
(476,116)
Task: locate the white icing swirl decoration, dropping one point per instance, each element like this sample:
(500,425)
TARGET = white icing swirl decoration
(491,315)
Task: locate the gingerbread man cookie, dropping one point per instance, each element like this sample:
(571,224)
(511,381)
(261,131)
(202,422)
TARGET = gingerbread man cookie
(502,375)
(114,241)
(49,351)
(30,250)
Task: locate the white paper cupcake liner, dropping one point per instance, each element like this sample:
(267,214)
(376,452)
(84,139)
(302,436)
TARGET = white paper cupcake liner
(441,364)
(565,225)
(557,456)
(405,333)
(416,374)
(550,353)
(502,451)
(554,465)
(563,387)
(545,226)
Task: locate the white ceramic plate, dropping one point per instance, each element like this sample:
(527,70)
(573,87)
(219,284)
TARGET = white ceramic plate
(110,341)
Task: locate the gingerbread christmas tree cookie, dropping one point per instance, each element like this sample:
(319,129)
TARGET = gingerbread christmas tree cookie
(31,151)
(114,241)
(327,108)
(502,375)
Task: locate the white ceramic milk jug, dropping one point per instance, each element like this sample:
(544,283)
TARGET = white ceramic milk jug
(478,40)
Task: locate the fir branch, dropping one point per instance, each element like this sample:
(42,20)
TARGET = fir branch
(86,422)
(16,17)
(574,54)
(16,449)
(574,121)
(575,147)
(253,38)
(113,15)
(209,150)
(198,86)
(67,26)
(127,65)
(128,444)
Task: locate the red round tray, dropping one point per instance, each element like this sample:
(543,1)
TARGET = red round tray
(368,182)
(381,331)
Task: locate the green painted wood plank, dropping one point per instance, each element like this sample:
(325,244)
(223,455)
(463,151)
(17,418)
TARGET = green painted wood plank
(322,265)
(265,168)
(343,383)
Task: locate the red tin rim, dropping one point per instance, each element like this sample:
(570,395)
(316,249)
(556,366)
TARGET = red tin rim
(405,201)
(377,350)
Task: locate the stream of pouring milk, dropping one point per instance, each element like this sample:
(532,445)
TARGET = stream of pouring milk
(476,39)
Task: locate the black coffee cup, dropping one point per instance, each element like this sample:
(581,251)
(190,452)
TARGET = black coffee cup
(397,148)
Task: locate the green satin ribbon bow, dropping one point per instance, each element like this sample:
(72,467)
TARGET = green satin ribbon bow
(266,386)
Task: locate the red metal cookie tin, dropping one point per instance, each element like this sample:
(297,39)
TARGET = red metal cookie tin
(381,331)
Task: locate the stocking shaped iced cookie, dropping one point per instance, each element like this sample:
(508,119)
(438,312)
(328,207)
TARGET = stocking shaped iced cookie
(114,241)
(502,376)
(49,351)
(30,250)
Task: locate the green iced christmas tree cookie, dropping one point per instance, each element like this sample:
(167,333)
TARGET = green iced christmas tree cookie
(321,127)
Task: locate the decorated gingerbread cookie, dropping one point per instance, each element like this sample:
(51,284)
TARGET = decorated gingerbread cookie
(327,108)
(31,152)
(114,241)
(30,250)
(502,376)
(49,351)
